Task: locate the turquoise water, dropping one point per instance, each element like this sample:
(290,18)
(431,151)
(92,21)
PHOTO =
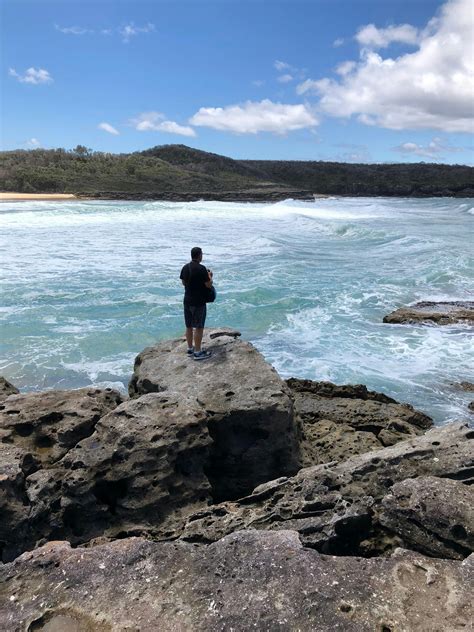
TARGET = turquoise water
(87,285)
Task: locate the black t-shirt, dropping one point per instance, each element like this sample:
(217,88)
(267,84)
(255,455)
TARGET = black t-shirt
(195,277)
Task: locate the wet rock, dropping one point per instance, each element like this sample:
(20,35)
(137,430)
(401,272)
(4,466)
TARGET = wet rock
(471,406)
(340,421)
(335,506)
(6,389)
(440,313)
(433,515)
(465,386)
(249,408)
(248,580)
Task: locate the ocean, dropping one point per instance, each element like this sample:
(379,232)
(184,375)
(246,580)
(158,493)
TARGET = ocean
(87,285)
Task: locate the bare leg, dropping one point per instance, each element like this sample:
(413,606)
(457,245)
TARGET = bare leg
(189,336)
(198,332)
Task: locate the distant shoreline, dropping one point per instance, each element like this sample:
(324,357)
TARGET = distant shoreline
(36,197)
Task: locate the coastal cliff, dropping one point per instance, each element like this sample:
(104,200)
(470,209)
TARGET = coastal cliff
(219,496)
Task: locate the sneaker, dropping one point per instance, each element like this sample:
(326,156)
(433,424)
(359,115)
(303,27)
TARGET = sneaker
(190,351)
(202,355)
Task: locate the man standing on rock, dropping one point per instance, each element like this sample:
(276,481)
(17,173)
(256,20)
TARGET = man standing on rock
(197,280)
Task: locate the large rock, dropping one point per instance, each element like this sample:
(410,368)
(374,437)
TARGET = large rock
(36,431)
(335,507)
(249,580)
(434,515)
(249,408)
(441,313)
(340,421)
(6,389)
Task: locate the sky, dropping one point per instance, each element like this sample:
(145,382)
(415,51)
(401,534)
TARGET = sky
(345,80)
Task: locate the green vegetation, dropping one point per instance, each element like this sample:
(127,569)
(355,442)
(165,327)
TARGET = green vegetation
(180,172)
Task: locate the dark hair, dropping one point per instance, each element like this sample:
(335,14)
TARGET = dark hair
(196,252)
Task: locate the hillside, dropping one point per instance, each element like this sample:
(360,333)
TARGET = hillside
(180,172)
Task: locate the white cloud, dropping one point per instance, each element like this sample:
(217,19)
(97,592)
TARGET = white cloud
(430,88)
(33,143)
(32,75)
(258,82)
(285,78)
(432,150)
(338,42)
(372,37)
(108,128)
(254,117)
(130,30)
(345,67)
(156,122)
(282,65)
(72,30)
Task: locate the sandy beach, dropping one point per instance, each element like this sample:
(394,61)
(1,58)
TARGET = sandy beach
(22,197)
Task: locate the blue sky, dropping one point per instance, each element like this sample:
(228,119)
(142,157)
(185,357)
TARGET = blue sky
(351,80)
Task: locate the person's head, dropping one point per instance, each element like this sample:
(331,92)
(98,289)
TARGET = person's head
(196,253)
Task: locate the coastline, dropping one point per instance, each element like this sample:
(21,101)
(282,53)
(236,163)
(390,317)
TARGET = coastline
(36,197)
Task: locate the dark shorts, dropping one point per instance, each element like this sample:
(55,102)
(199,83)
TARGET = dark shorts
(195,315)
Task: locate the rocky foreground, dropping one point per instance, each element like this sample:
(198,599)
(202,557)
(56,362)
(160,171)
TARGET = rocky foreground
(220,497)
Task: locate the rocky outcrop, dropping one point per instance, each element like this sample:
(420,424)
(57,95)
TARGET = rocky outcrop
(36,431)
(6,389)
(338,422)
(248,580)
(248,407)
(440,313)
(335,507)
(432,515)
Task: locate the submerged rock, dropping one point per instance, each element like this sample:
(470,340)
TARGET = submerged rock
(248,580)
(6,389)
(248,406)
(340,421)
(440,313)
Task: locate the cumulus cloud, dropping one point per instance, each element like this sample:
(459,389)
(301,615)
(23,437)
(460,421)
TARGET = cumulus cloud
(372,37)
(130,30)
(32,75)
(281,65)
(430,88)
(254,117)
(156,122)
(108,128)
(33,143)
(338,42)
(433,150)
(285,78)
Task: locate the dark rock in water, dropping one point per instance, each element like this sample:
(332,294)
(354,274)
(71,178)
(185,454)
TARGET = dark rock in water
(434,515)
(471,406)
(248,406)
(440,313)
(465,386)
(335,506)
(249,580)
(6,389)
(340,421)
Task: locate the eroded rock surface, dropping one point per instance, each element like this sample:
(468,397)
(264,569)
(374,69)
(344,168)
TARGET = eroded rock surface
(6,389)
(340,421)
(248,580)
(335,507)
(248,405)
(433,515)
(440,313)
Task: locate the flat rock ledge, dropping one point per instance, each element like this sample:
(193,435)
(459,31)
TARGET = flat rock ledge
(439,313)
(248,580)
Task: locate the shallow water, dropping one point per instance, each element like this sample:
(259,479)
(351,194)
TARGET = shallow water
(87,285)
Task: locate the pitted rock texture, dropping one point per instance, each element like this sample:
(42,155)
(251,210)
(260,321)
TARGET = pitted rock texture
(249,408)
(36,431)
(249,580)
(434,515)
(439,313)
(338,422)
(335,507)
(6,389)
(144,463)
